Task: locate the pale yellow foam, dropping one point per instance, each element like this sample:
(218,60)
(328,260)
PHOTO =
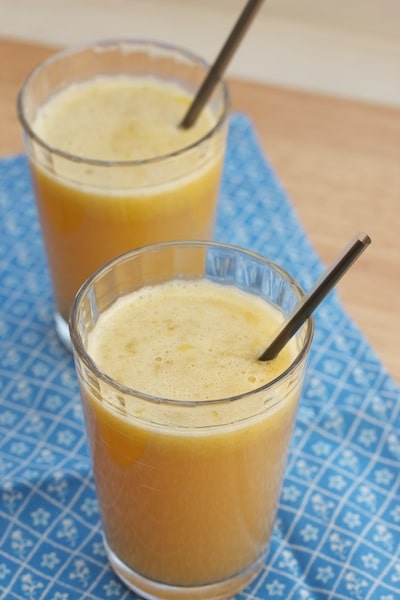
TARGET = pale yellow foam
(192,340)
(119,119)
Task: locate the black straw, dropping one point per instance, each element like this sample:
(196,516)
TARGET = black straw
(220,64)
(316,294)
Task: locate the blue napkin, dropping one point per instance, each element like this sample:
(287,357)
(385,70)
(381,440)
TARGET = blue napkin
(338,528)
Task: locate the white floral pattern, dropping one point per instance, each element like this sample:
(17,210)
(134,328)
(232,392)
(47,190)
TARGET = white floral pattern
(337,532)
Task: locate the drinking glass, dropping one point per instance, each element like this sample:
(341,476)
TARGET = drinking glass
(188,491)
(93,210)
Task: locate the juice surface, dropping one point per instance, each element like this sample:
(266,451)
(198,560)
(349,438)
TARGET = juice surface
(119,119)
(91,213)
(188,340)
(189,493)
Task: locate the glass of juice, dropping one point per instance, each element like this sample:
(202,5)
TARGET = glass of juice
(112,170)
(188,430)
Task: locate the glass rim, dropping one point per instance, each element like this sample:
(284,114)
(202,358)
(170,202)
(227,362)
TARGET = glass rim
(84,356)
(77,49)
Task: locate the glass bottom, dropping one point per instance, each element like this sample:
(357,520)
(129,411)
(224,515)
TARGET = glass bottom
(154,590)
(62,329)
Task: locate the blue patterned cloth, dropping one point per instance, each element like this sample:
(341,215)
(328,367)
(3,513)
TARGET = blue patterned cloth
(338,528)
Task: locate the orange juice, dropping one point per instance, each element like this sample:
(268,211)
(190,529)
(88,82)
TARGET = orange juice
(99,200)
(188,489)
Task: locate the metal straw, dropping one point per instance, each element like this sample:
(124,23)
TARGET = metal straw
(316,294)
(220,64)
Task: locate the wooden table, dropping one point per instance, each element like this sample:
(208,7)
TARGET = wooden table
(340,164)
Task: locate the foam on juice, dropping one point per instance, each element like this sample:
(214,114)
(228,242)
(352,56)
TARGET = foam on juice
(119,119)
(189,340)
